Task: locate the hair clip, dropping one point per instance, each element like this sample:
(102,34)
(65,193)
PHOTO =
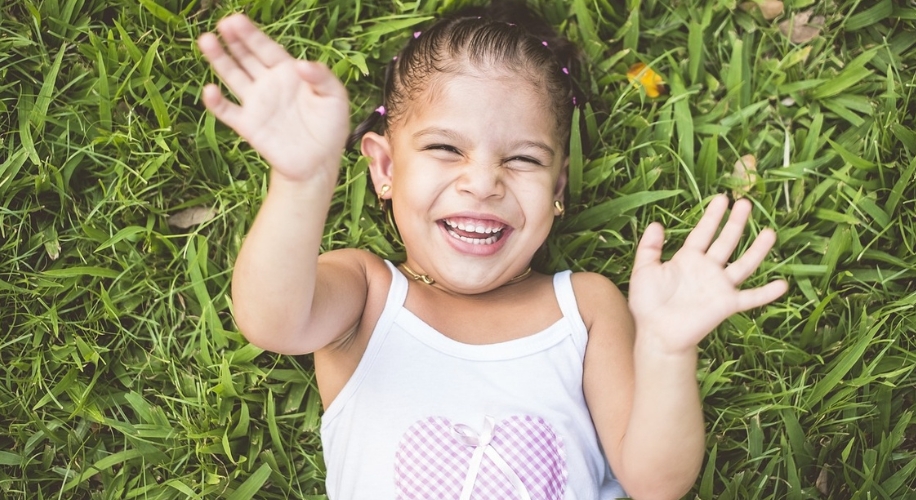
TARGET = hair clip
(416,34)
(574,100)
(381,110)
(544,42)
(395,58)
(565,70)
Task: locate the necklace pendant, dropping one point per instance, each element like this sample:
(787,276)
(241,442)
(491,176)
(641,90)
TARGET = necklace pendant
(425,279)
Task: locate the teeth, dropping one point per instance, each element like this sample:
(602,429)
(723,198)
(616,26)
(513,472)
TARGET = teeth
(474,241)
(473,228)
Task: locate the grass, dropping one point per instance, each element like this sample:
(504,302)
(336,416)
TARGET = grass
(123,375)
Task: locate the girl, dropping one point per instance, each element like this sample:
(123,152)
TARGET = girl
(462,373)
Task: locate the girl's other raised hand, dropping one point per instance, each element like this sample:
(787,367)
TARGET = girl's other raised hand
(675,304)
(293,112)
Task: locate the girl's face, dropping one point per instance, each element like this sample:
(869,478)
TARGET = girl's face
(475,166)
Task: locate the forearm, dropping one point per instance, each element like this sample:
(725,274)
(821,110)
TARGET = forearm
(665,438)
(273,281)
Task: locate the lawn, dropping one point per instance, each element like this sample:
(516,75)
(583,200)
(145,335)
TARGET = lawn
(123,205)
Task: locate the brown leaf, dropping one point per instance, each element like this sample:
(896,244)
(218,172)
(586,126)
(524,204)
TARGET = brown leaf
(821,481)
(191,216)
(802,28)
(744,175)
(770,9)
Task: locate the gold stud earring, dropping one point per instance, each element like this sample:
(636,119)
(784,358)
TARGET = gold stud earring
(559,206)
(382,192)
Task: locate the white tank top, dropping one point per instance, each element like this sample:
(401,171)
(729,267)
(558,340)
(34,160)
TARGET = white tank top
(427,417)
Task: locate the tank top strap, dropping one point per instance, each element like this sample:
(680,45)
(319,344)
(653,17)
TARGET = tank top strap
(566,297)
(397,293)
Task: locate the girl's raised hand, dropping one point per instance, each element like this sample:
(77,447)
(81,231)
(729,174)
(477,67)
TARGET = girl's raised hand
(293,112)
(677,303)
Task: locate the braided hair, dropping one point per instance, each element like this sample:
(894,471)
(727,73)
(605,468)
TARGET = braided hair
(505,34)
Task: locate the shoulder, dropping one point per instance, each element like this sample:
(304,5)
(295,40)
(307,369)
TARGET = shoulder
(364,268)
(356,261)
(599,299)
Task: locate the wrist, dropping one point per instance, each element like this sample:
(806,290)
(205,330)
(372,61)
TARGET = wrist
(319,184)
(651,345)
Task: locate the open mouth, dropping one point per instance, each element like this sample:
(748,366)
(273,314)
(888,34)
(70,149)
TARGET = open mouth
(475,232)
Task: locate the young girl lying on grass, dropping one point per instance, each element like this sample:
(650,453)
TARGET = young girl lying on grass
(462,373)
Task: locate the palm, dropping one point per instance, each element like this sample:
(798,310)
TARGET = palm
(292,112)
(682,300)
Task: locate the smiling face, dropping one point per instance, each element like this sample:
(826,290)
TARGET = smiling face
(474,166)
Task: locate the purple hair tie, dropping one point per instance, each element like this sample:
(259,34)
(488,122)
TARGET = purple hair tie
(380,110)
(574,100)
(416,34)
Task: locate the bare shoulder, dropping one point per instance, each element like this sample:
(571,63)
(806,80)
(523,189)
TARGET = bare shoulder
(353,259)
(371,274)
(599,300)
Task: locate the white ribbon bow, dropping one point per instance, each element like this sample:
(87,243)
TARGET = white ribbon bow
(483,446)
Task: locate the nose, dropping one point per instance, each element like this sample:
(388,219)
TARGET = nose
(482,179)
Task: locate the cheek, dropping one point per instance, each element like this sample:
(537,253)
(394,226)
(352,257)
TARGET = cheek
(535,187)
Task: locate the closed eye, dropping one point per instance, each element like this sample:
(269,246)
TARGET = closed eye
(442,147)
(526,159)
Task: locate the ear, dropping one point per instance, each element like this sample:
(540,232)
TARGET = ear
(381,168)
(560,187)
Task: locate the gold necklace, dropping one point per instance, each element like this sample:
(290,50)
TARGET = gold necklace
(429,281)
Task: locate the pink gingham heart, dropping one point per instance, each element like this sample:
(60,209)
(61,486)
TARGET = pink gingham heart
(434,458)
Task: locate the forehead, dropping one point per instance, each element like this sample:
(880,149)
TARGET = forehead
(483,103)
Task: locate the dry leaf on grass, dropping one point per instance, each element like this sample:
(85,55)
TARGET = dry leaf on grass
(744,175)
(821,482)
(802,28)
(770,9)
(191,217)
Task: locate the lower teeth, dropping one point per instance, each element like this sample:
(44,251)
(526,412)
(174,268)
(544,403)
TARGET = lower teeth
(475,241)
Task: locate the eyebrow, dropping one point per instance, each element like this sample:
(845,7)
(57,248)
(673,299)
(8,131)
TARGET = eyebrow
(455,136)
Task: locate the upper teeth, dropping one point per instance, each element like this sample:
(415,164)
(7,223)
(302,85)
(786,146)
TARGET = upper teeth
(473,227)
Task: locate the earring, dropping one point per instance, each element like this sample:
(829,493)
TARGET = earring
(381,201)
(559,206)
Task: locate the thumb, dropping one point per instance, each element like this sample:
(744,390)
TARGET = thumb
(649,250)
(323,81)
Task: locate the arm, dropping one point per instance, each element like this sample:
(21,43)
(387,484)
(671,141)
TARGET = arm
(295,114)
(654,433)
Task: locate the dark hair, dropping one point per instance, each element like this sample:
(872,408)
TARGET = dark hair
(505,33)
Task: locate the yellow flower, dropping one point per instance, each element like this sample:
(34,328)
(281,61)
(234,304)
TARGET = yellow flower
(640,74)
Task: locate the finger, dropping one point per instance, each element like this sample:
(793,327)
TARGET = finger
(236,78)
(756,297)
(739,270)
(222,108)
(260,50)
(649,250)
(722,249)
(321,78)
(702,235)
(239,50)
